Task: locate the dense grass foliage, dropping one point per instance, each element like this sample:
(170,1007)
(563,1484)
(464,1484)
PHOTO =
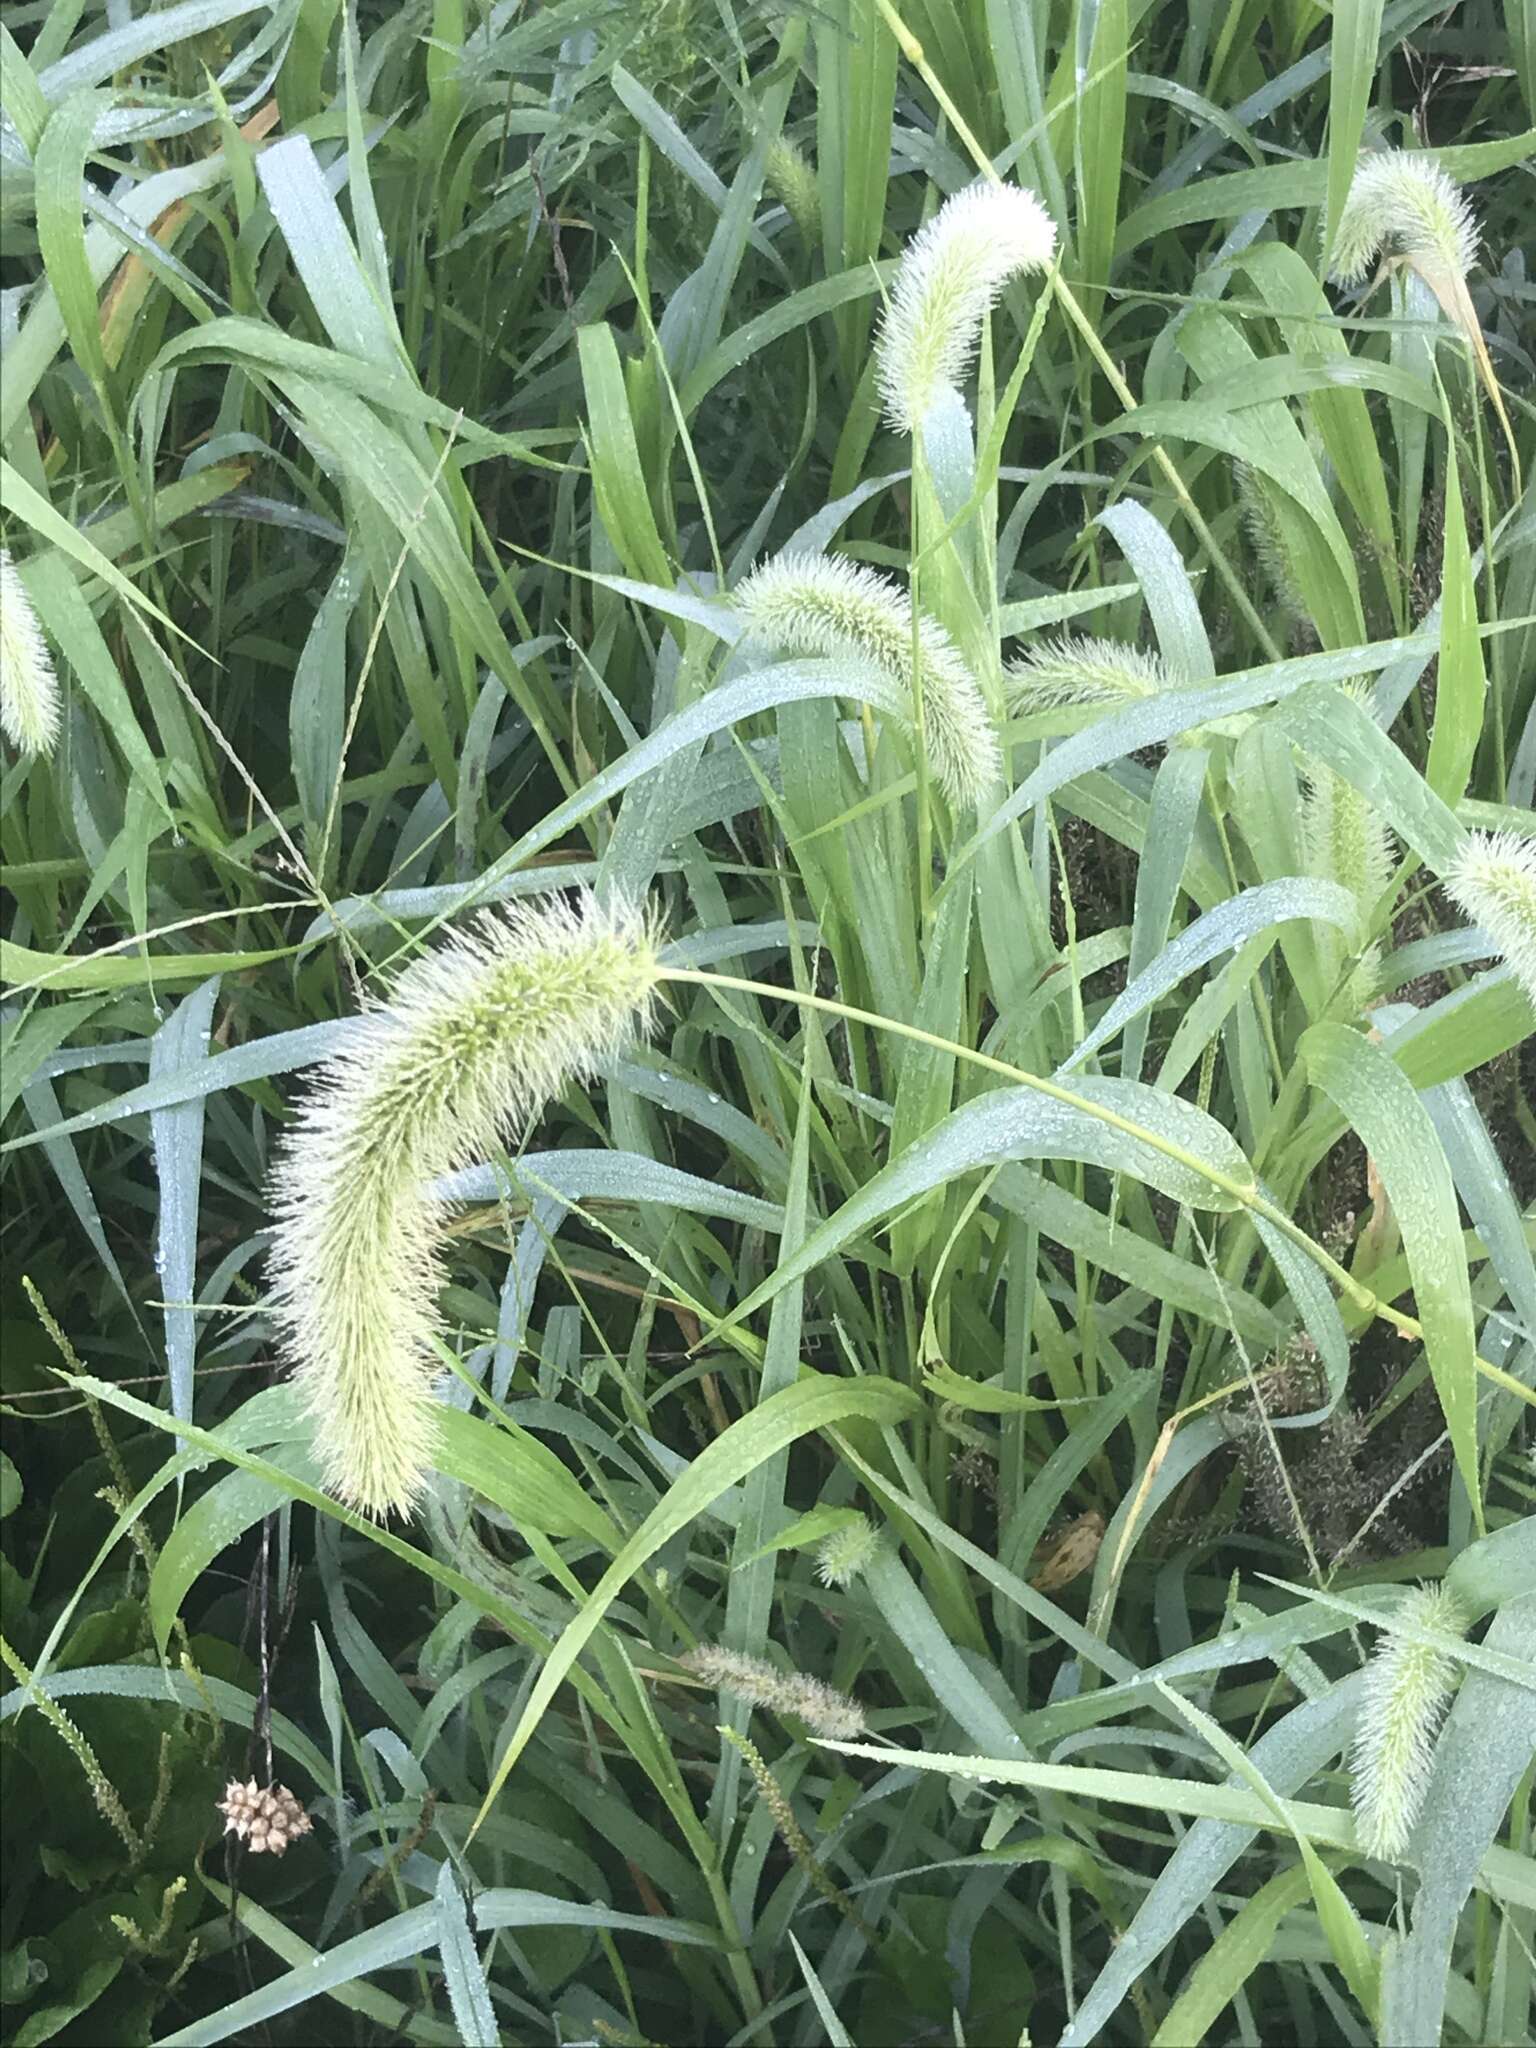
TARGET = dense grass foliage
(845,945)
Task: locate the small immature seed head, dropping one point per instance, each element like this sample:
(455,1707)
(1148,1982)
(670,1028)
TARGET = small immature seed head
(793,181)
(1493,880)
(1077,670)
(843,1555)
(823,1709)
(1403,207)
(472,1042)
(29,690)
(1408,1685)
(1344,839)
(948,280)
(825,605)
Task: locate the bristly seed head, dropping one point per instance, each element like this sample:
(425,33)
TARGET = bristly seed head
(471,1043)
(823,1709)
(847,1552)
(947,282)
(826,605)
(1407,1687)
(1493,879)
(29,689)
(1077,670)
(1402,206)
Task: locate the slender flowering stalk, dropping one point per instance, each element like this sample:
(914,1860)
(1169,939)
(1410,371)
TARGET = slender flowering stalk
(827,605)
(473,1040)
(29,690)
(1407,1687)
(1494,881)
(1403,208)
(947,283)
(1077,670)
(823,1709)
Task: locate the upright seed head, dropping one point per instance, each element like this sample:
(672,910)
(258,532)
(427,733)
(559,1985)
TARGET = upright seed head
(1403,207)
(1344,839)
(792,179)
(473,1040)
(1077,670)
(826,605)
(1493,879)
(847,1552)
(29,690)
(1407,1687)
(947,282)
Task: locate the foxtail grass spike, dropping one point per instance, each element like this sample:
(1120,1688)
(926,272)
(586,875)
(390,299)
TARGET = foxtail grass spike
(1344,839)
(1408,1685)
(29,690)
(949,277)
(823,1709)
(1078,670)
(847,1552)
(471,1043)
(792,180)
(827,605)
(1402,207)
(1494,881)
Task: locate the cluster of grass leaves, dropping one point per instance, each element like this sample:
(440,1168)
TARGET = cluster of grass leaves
(391,395)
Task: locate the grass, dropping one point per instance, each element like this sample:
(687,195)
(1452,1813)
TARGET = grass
(1058,1275)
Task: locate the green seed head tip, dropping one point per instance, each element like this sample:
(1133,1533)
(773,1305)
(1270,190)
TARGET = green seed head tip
(1493,880)
(947,283)
(473,1040)
(825,605)
(1402,205)
(29,690)
(1408,1685)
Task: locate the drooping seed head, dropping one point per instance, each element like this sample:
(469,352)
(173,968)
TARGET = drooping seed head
(1493,880)
(823,1709)
(947,282)
(29,690)
(1408,1685)
(828,606)
(1077,670)
(473,1040)
(1402,206)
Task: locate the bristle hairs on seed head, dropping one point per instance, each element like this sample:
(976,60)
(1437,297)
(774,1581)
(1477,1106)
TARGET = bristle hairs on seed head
(29,689)
(1401,204)
(823,1709)
(847,1553)
(949,277)
(826,605)
(1345,839)
(473,1039)
(1075,669)
(1493,880)
(1408,1685)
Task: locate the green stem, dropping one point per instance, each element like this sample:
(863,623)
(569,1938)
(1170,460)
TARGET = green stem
(1245,1194)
